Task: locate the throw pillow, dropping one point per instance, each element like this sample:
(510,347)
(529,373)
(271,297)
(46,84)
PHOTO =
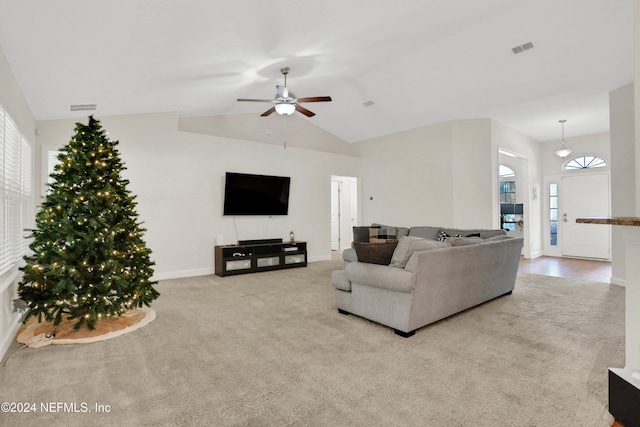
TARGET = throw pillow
(407,245)
(361,233)
(443,236)
(399,231)
(375,253)
(382,234)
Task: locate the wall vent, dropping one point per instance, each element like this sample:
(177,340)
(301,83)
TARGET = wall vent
(522,47)
(83,107)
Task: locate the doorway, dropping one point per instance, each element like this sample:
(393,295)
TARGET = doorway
(344,210)
(513,193)
(585,196)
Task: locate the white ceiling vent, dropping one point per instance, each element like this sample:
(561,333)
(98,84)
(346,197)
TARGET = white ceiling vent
(83,107)
(522,48)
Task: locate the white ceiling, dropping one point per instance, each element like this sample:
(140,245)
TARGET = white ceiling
(419,61)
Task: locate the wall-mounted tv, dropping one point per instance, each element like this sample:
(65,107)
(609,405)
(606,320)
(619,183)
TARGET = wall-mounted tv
(246,194)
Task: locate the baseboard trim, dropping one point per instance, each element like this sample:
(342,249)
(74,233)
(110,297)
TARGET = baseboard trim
(6,343)
(618,281)
(184,273)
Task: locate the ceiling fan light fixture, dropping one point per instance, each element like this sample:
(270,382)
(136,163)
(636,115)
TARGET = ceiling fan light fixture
(285,109)
(564,150)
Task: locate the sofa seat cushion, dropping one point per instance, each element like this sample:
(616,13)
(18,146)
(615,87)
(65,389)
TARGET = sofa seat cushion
(375,253)
(381,276)
(407,245)
(340,281)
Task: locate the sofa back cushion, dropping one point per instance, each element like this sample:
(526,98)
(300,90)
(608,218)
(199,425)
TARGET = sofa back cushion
(482,233)
(407,245)
(464,241)
(430,233)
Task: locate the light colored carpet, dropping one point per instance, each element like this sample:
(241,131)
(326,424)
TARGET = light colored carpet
(270,349)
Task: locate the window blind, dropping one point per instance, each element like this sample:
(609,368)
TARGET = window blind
(15,187)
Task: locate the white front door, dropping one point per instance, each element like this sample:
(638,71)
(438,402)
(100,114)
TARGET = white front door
(585,196)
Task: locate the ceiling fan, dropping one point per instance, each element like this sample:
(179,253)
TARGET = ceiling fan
(284,104)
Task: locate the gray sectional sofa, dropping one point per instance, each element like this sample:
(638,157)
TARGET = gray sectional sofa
(428,280)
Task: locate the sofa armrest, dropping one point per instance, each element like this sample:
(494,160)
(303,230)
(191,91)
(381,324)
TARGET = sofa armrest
(349,255)
(381,276)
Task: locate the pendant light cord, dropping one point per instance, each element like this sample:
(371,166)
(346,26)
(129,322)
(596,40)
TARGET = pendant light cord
(285,127)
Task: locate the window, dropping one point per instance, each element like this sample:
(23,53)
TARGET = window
(553,214)
(585,162)
(15,192)
(505,171)
(507,191)
(507,196)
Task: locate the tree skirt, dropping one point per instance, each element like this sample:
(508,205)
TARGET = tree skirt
(36,334)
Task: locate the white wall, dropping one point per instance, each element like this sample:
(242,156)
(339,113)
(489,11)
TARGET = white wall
(12,101)
(178,178)
(597,144)
(473,174)
(435,175)
(623,173)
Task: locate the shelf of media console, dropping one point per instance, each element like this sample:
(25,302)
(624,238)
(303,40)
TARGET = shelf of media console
(255,257)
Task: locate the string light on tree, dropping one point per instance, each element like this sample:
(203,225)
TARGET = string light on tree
(89,259)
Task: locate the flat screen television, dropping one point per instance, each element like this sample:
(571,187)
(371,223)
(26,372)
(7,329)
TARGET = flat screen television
(246,194)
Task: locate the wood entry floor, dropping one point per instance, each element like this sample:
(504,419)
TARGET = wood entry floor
(572,268)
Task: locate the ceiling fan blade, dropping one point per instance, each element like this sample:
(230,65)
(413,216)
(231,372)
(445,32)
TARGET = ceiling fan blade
(269,111)
(301,109)
(283,92)
(315,99)
(255,100)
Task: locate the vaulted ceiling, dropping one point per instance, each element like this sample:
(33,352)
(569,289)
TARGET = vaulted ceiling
(419,61)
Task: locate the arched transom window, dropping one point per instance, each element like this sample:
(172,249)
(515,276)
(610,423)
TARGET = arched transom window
(505,171)
(585,162)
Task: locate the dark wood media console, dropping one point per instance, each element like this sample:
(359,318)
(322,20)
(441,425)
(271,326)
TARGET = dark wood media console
(254,257)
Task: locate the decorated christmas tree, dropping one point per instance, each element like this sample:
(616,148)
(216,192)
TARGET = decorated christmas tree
(89,260)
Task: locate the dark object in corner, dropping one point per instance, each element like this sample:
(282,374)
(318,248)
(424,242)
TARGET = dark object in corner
(624,397)
(404,334)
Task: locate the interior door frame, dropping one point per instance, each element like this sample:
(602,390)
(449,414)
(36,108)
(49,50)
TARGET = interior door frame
(524,191)
(349,197)
(564,208)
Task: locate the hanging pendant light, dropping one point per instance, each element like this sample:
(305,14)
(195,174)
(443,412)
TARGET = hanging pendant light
(564,149)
